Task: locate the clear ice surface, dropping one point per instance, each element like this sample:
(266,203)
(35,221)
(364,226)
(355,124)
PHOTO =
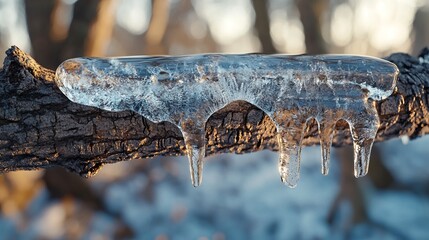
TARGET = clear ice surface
(291,90)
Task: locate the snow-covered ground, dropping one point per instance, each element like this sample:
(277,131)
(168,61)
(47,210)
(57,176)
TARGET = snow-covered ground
(241,198)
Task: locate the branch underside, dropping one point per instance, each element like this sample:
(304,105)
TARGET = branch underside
(41,128)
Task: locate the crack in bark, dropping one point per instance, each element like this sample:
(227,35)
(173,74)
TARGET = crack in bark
(41,128)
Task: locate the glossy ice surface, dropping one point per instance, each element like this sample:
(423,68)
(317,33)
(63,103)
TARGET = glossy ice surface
(291,90)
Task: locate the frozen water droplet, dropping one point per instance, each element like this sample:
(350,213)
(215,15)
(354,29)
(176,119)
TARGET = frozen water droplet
(326,130)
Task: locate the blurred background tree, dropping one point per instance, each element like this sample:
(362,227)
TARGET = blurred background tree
(152,198)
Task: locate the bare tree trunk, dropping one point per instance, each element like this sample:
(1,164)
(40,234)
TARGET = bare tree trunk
(420,28)
(39,16)
(178,36)
(311,13)
(85,19)
(89,32)
(262,26)
(100,31)
(157,27)
(40,127)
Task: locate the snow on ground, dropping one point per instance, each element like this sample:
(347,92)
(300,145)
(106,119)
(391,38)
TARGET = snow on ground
(241,198)
(409,163)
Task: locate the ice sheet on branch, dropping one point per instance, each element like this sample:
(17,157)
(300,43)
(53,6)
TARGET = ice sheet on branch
(291,90)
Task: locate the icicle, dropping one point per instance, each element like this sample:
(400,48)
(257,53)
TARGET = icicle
(194,137)
(289,162)
(362,151)
(363,137)
(196,155)
(326,130)
(290,142)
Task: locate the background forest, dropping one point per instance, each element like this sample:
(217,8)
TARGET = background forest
(241,196)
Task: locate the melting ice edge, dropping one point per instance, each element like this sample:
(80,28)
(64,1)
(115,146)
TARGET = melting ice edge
(291,90)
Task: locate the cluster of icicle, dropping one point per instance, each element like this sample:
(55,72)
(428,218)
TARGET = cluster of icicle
(187,90)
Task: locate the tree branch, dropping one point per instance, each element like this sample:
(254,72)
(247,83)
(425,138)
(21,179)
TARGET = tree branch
(41,128)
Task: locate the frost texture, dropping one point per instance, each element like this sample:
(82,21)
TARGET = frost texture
(291,90)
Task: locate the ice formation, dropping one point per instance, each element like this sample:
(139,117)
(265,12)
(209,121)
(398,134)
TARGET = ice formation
(187,90)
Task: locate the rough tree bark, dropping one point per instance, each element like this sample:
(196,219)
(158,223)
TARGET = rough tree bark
(41,128)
